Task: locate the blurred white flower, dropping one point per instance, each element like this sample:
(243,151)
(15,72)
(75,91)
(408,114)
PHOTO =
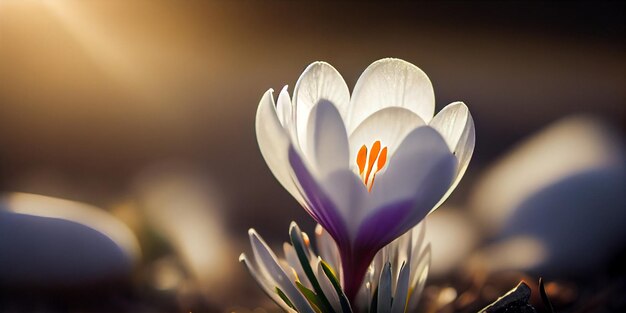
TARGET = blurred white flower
(306,281)
(54,243)
(555,205)
(453,235)
(569,146)
(181,203)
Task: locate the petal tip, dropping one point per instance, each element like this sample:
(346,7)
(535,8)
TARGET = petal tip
(391,61)
(319,66)
(458,103)
(252,232)
(320,63)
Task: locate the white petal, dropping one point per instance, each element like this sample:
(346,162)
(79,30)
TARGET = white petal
(418,281)
(318,81)
(327,141)
(421,169)
(391,82)
(267,287)
(402,290)
(294,262)
(456,125)
(389,125)
(451,123)
(287,114)
(327,287)
(418,233)
(348,194)
(384,290)
(283,106)
(327,248)
(291,274)
(269,267)
(274,144)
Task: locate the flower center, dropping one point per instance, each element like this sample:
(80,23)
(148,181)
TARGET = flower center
(367,160)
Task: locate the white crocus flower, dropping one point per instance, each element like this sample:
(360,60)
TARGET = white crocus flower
(370,166)
(306,281)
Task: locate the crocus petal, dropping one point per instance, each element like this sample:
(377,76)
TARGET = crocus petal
(292,259)
(327,287)
(451,123)
(318,81)
(391,82)
(384,290)
(389,125)
(321,207)
(274,143)
(348,194)
(420,274)
(418,233)
(283,106)
(422,168)
(269,267)
(265,285)
(287,114)
(456,125)
(328,249)
(327,141)
(418,175)
(402,290)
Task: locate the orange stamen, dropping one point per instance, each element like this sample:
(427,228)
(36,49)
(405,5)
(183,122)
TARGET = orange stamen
(376,156)
(373,157)
(382,159)
(361,158)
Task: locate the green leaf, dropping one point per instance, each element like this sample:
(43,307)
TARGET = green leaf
(314,300)
(283,296)
(515,300)
(343,300)
(544,297)
(296,240)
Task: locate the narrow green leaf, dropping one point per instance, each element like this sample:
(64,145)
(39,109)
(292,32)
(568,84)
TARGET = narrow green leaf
(314,300)
(296,240)
(343,300)
(544,296)
(516,300)
(283,296)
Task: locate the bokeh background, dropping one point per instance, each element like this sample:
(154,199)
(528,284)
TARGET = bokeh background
(145,110)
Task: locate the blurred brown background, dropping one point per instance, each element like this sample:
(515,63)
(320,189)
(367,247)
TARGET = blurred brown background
(95,93)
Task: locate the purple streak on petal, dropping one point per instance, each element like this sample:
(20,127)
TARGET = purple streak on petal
(323,209)
(379,229)
(388,223)
(354,261)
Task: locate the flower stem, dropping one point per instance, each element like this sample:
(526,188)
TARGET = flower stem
(354,265)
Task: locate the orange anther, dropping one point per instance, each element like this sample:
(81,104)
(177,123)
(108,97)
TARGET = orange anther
(373,156)
(361,158)
(382,159)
